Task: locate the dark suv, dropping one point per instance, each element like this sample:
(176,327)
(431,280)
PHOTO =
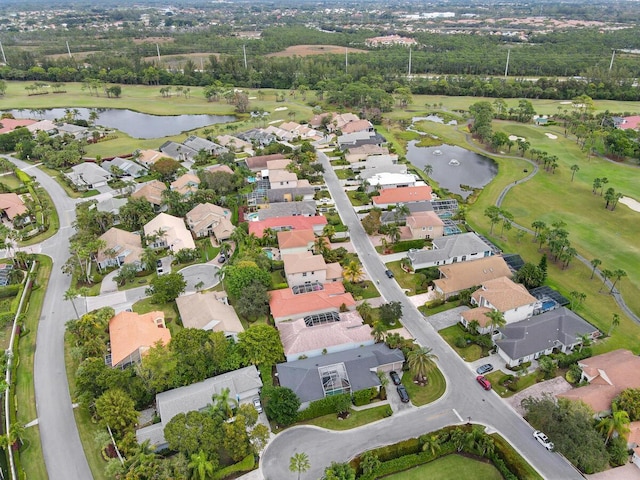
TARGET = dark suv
(402,392)
(388,273)
(395,378)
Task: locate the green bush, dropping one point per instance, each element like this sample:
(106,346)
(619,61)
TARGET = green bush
(434,303)
(564,361)
(324,406)
(518,368)
(9,290)
(247,464)
(363,397)
(506,379)
(460,342)
(407,245)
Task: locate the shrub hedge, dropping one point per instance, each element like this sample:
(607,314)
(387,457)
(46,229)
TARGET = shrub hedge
(247,464)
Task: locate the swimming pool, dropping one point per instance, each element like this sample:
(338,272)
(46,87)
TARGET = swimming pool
(252,217)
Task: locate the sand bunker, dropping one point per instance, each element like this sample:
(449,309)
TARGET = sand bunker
(631,203)
(280,109)
(514,138)
(551,136)
(566,103)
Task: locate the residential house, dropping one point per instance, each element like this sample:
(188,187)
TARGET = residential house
(313,336)
(608,375)
(243,385)
(12,205)
(209,311)
(390,40)
(306,208)
(292,303)
(394,196)
(207,219)
(168,231)
(76,131)
(112,205)
(257,136)
(219,168)
(456,277)
(186,184)
(120,247)
(259,163)
(235,144)
(296,241)
(279,224)
(148,157)
(303,192)
(393,216)
(131,335)
(46,126)
(358,126)
(152,192)
(384,180)
(87,176)
(282,179)
(357,139)
(450,249)
(381,161)
(281,134)
(178,151)
(197,144)
(279,164)
(630,123)
(358,154)
(126,167)
(367,173)
(10,124)
(425,225)
(305,268)
(347,371)
(502,295)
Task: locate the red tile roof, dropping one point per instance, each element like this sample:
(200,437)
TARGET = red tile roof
(10,124)
(285,304)
(291,223)
(130,332)
(632,123)
(402,195)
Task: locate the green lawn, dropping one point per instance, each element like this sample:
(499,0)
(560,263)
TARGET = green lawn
(405,280)
(440,308)
(10,180)
(524,382)
(31,456)
(470,353)
(344,173)
(449,467)
(432,391)
(356,419)
(54,222)
(142,281)
(170,312)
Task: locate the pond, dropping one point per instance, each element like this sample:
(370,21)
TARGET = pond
(135,124)
(453,166)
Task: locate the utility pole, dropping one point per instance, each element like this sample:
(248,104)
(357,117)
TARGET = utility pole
(409,74)
(506,68)
(68,49)
(244,52)
(3,56)
(158,50)
(612,57)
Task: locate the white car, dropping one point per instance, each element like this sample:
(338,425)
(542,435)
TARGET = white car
(257,405)
(543,440)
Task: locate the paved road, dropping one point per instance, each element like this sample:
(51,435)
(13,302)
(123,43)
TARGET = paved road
(463,399)
(63,453)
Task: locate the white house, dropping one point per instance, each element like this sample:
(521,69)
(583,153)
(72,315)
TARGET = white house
(450,249)
(306,268)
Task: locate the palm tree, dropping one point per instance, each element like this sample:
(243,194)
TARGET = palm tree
(223,402)
(70,295)
(538,226)
(595,263)
(618,274)
(432,445)
(496,318)
(149,258)
(299,463)
(378,331)
(574,169)
(393,232)
(365,310)
(618,423)
(201,465)
(428,170)
(320,246)
(606,274)
(353,271)
(225,248)
(421,362)
(329,231)
(615,321)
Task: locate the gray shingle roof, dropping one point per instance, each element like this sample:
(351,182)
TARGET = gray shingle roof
(540,332)
(178,151)
(306,208)
(303,378)
(280,194)
(198,144)
(449,247)
(127,166)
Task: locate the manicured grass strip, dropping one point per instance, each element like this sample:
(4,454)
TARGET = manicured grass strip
(471,353)
(451,466)
(524,382)
(31,456)
(54,222)
(356,419)
(407,281)
(419,396)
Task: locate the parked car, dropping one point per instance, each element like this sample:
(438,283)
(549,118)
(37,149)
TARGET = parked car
(486,384)
(543,440)
(486,368)
(159,268)
(395,378)
(402,392)
(257,404)
(222,259)
(388,273)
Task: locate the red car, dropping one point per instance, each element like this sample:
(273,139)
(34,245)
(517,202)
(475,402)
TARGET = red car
(486,384)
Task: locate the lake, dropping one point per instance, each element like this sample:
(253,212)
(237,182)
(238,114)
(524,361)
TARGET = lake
(453,166)
(135,124)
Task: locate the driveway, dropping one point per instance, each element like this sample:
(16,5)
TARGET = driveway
(446,319)
(205,274)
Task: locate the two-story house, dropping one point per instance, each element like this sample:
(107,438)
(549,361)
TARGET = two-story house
(206,219)
(305,268)
(425,225)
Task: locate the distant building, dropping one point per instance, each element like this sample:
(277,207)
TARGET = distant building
(390,40)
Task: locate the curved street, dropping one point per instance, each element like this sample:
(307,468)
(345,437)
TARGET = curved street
(63,453)
(463,399)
